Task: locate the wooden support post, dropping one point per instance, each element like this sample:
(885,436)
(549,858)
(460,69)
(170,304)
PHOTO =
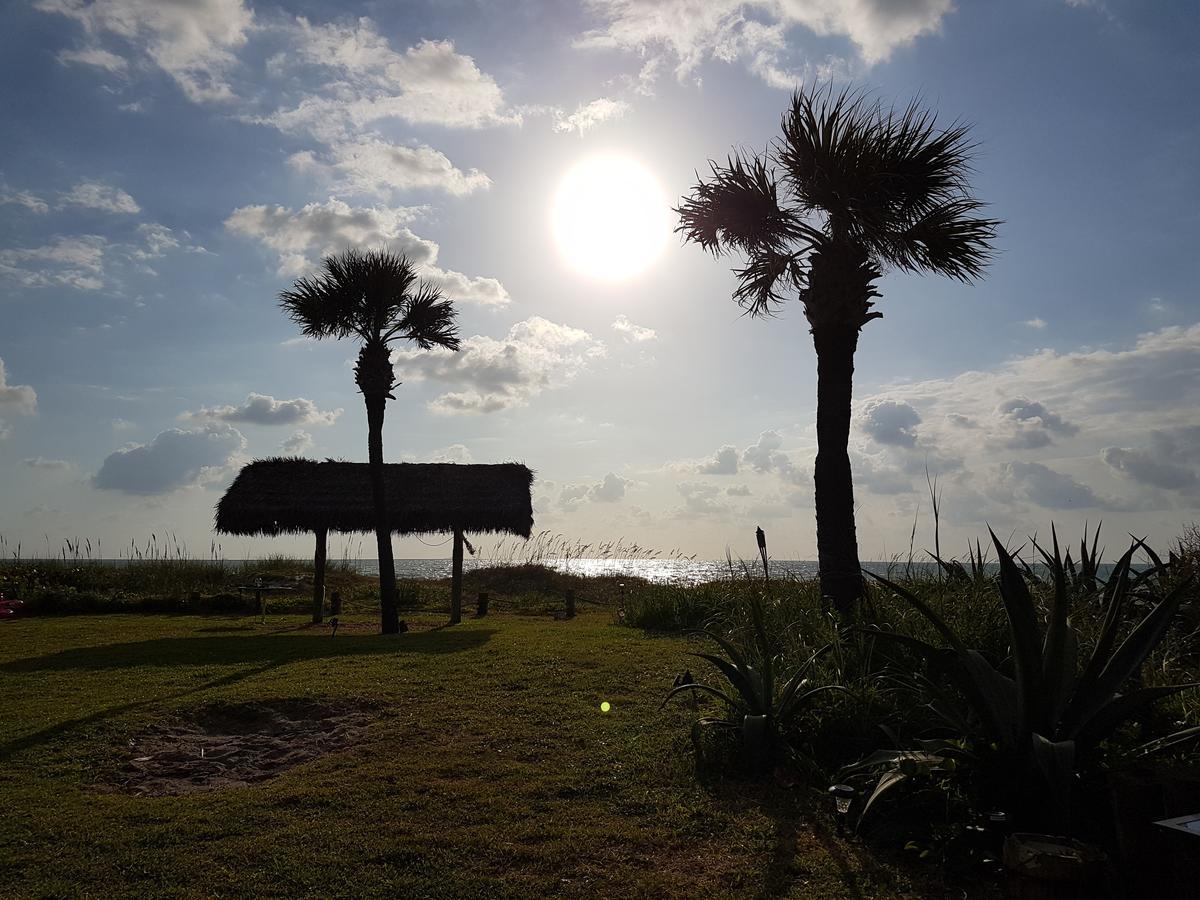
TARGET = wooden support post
(318,615)
(456,579)
(481,606)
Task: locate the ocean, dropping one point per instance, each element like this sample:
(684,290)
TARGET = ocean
(662,571)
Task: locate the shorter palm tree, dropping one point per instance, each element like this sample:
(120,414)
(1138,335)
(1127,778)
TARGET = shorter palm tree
(375,296)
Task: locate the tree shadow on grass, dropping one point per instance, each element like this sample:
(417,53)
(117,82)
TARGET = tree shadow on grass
(58,728)
(799,830)
(229,650)
(257,654)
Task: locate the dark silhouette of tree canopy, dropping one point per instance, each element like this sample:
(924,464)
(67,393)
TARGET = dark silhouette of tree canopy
(376,297)
(863,188)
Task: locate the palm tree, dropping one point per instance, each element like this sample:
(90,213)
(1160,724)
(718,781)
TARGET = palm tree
(375,296)
(864,189)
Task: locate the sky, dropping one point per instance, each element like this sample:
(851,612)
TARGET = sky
(166,169)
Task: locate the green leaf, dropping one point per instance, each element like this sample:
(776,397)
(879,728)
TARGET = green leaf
(742,681)
(1109,717)
(1026,638)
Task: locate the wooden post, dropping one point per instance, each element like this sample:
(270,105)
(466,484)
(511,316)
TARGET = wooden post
(319,578)
(456,579)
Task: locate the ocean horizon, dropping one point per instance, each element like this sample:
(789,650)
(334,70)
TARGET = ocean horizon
(673,570)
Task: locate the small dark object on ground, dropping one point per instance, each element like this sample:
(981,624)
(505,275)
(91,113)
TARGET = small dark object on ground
(333,623)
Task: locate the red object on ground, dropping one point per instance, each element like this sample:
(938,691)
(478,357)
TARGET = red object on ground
(9,608)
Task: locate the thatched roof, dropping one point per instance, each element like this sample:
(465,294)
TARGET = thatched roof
(278,496)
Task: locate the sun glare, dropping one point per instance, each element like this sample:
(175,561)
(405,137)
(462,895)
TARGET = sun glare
(611,217)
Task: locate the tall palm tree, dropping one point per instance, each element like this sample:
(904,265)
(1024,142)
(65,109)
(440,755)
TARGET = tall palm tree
(375,296)
(863,189)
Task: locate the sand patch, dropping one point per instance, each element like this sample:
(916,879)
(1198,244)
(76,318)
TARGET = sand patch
(224,745)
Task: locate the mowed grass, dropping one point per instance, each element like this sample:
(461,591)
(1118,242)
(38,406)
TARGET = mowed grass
(490,770)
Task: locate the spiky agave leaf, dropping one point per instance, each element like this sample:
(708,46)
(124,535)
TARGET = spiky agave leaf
(1026,636)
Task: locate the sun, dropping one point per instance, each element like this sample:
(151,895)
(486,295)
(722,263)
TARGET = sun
(611,217)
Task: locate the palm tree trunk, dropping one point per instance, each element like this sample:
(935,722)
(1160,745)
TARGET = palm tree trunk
(837,544)
(390,615)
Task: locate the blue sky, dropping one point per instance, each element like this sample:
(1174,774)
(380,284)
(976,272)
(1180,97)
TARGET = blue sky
(167,169)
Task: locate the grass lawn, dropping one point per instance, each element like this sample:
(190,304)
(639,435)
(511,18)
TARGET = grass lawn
(488,771)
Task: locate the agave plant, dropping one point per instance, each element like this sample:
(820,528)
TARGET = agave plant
(1051,715)
(759,704)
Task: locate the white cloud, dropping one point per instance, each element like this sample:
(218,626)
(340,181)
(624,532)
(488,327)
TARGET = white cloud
(610,489)
(376,166)
(468,289)
(633,334)
(159,239)
(755,33)
(19,398)
(193,41)
(765,455)
(1171,461)
(890,422)
(321,229)
(1061,430)
(26,199)
(94,56)
(1035,323)
(588,115)
(173,459)
(429,83)
(76,261)
(700,499)
(262,409)
(1027,424)
(97,195)
(53,465)
(298,444)
(455,453)
(1047,488)
(723,462)
(494,375)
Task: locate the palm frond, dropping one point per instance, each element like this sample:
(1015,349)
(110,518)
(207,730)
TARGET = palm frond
(759,282)
(375,294)
(428,320)
(738,209)
(947,239)
(891,181)
(829,144)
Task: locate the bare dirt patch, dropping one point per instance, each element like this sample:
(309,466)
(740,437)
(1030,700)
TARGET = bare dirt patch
(225,745)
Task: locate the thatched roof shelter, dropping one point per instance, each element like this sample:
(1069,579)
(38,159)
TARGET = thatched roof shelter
(293,496)
(290,496)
